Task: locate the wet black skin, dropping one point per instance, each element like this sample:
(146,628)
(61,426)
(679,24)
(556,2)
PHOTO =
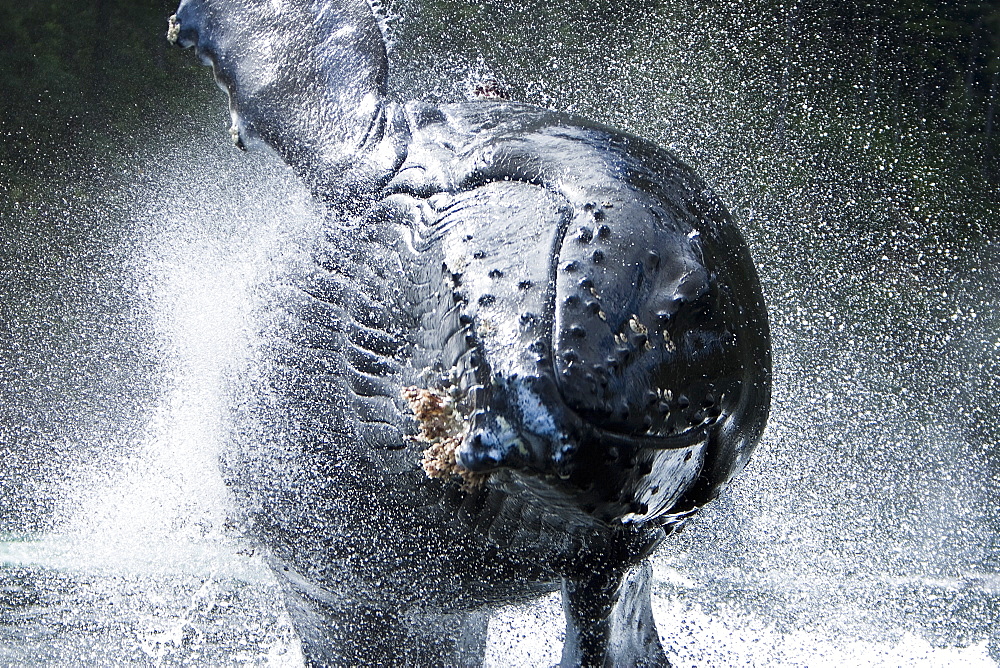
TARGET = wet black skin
(580,294)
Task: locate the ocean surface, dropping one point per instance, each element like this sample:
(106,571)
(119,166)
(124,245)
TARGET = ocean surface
(209,603)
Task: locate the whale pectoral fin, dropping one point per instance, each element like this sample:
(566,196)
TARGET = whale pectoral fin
(609,619)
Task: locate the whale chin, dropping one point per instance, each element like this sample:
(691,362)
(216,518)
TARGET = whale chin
(521,429)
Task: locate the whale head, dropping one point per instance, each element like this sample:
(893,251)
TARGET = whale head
(304,77)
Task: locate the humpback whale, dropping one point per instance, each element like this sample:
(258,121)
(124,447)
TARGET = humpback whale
(526,348)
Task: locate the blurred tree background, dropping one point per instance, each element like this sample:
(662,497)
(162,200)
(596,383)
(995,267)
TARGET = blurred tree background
(930,63)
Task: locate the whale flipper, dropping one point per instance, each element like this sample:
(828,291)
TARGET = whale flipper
(609,619)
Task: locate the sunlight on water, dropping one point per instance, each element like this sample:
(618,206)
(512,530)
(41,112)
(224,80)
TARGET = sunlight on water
(726,638)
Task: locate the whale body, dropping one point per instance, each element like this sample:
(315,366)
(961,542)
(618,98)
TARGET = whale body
(528,347)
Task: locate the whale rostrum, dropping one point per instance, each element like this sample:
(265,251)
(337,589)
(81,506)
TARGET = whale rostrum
(527,348)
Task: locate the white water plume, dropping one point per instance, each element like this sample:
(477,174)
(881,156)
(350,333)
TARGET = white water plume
(209,244)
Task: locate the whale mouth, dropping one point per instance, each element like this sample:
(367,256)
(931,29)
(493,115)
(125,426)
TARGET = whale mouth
(185,35)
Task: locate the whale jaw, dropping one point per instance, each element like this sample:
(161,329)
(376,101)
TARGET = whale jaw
(520,424)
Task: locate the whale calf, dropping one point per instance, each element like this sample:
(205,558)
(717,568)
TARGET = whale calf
(526,349)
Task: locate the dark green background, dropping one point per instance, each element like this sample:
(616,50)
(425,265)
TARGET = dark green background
(79,78)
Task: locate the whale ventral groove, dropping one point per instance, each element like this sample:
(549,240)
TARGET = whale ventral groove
(557,321)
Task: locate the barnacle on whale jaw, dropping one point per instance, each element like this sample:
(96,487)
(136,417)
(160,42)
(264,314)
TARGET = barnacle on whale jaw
(173,29)
(442,428)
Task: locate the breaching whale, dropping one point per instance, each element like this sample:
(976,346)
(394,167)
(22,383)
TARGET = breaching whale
(528,347)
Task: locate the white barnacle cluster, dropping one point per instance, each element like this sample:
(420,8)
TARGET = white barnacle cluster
(638,328)
(442,429)
(173,29)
